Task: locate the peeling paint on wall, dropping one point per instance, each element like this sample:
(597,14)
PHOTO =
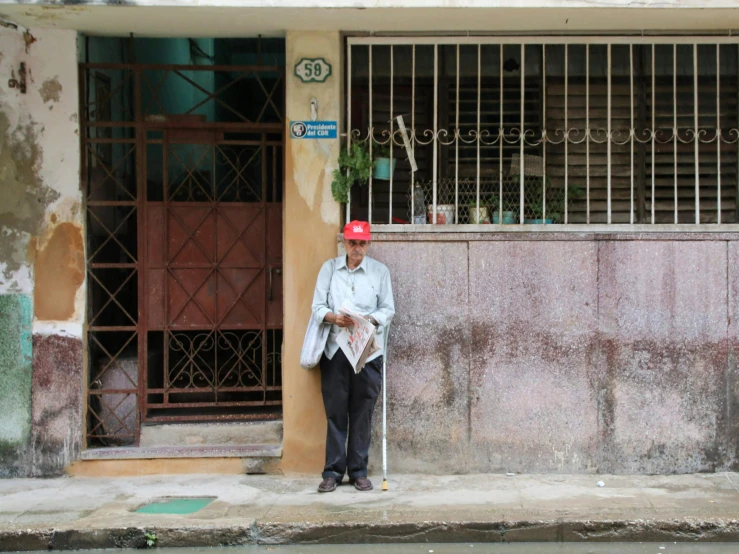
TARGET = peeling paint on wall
(57,403)
(313,161)
(41,257)
(25,196)
(313,165)
(59,273)
(51,90)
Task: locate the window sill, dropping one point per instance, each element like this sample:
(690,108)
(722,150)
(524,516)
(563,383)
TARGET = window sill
(729,232)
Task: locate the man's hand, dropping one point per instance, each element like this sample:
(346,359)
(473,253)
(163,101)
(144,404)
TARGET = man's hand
(340,320)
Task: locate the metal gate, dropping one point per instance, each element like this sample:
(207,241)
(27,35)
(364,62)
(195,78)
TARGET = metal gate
(614,130)
(184,246)
(212,277)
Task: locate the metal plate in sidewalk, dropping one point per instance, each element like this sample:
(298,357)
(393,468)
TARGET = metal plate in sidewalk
(175,506)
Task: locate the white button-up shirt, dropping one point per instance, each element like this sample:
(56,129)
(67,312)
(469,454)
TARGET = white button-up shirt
(366,290)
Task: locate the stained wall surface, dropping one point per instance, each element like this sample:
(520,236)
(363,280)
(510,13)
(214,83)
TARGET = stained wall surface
(311,221)
(561,355)
(42,262)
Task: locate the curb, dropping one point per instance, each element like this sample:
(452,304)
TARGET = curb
(267,533)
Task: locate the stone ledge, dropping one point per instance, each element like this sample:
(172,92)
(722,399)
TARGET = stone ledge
(576,231)
(445,235)
(274,533)
(149,452)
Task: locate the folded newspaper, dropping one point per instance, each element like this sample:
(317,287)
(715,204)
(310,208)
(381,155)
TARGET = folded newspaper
(359,341)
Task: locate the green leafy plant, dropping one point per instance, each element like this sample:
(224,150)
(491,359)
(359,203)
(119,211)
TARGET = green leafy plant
(490,202)
(555,199)
(556,204)
(355,166)
(488,208)
(381,151)
(151,539)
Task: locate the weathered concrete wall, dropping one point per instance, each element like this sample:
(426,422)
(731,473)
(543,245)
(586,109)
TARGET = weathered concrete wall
(732,376)
(663,367)
(311,219)
(15,382)
(549,354)
(56,418)
(42,269)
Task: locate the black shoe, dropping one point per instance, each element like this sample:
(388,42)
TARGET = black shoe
(329,484)
(362,484)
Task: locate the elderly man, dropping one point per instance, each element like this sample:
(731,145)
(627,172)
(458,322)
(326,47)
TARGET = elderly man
(363,284)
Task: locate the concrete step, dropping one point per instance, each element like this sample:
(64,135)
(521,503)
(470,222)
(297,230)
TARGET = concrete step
(241,433)
(154,452)
(254,458)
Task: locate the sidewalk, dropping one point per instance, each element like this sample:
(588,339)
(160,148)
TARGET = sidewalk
(73,513)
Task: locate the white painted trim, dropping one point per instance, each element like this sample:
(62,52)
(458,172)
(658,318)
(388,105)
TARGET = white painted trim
(60,328)
(544,39)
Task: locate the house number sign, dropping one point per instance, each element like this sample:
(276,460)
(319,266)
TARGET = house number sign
(313,70)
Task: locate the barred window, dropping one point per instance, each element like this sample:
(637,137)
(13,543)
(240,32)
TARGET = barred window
(541,130)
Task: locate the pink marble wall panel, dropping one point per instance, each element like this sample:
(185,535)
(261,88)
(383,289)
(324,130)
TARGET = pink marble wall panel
(428,371)
(587,355)
(663,330)
(534,323)
(732,375)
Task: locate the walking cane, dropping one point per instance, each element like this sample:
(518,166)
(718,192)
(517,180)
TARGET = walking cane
(384,410)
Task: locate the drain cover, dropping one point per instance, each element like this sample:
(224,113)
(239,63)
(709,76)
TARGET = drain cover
(177,506)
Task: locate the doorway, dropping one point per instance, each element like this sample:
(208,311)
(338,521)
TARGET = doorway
(182,166)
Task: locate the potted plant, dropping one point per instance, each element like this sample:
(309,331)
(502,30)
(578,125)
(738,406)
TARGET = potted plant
(509,217)
(355,166)
(482,214)
(384,164)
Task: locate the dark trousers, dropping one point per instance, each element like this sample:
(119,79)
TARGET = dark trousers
(349,400)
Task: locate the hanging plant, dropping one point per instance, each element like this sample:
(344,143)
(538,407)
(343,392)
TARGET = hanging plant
(355,166)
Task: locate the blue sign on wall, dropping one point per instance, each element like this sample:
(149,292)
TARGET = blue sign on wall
(314,129)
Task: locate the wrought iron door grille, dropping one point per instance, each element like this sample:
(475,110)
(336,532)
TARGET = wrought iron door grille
(184,253)
(220,372)
(212,311)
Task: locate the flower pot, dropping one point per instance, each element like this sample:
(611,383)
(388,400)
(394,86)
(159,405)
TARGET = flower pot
(479,215)
(384,168)
(444,214)
(537,221)
(508,218)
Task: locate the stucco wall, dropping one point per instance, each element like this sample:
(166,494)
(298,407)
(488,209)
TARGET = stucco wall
(42,271)
(562,353)
(15,382)
(231,18)
(311,222)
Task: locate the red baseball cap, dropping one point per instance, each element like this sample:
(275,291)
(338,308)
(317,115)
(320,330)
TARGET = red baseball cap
(357,230)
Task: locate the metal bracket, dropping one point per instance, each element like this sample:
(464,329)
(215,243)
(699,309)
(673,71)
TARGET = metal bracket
(19,83)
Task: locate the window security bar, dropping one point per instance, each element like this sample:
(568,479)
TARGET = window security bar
(547,130)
